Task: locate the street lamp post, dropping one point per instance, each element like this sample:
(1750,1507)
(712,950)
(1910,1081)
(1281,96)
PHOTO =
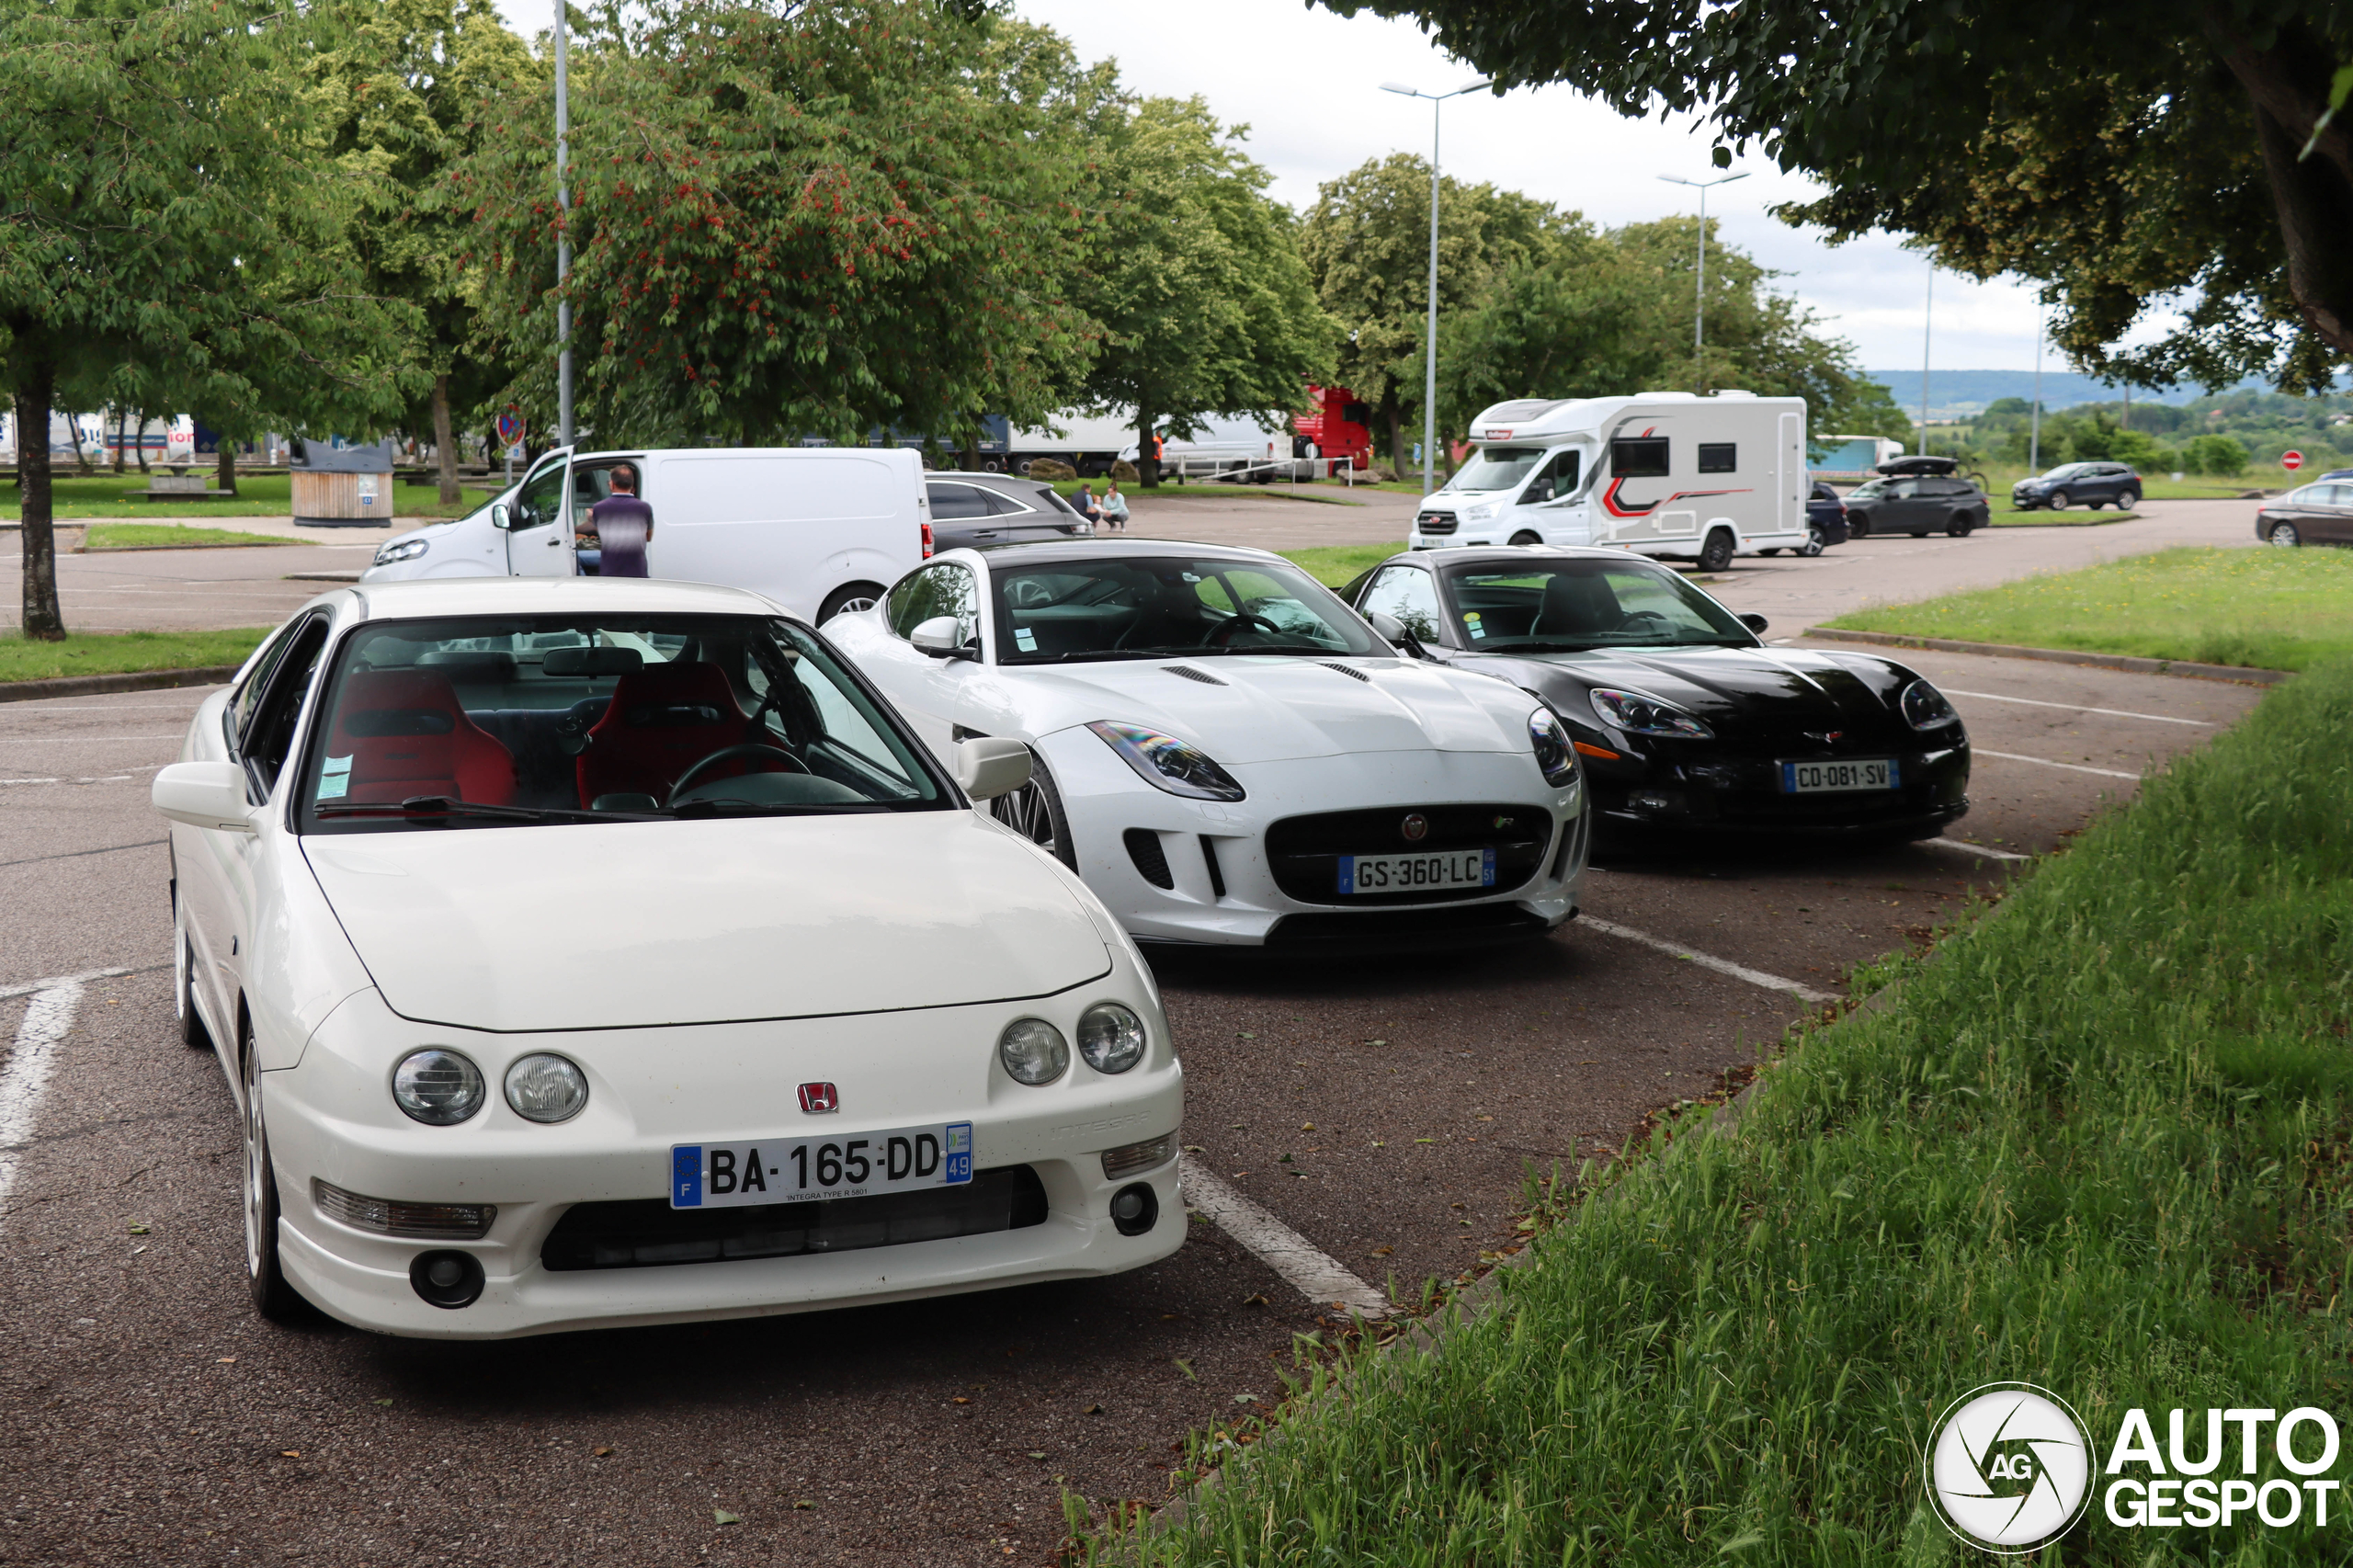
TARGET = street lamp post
(562,237)
(1429,342)
(2034,420)
(1699,294)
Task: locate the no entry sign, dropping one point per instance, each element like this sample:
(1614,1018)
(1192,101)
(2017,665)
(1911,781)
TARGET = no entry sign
(2291,461)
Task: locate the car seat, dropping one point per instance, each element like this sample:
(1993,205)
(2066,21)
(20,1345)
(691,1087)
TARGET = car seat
(1576,605)
(405,733)
(663,719)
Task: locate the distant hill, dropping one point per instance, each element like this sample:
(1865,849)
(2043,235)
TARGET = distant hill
(1968,391)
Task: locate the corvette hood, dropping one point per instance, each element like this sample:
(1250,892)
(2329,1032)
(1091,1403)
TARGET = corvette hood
(1284,710)
(1737,689)
(631,925)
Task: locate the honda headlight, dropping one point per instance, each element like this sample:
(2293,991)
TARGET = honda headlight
(1640,715)
(1166,763)
(438,1087)
(1110,1037)
(545,1088)
(1553,754)
(401,550)
(1033,1051)
(1925,707)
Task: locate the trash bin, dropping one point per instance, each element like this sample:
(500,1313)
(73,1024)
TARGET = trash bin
(343,487)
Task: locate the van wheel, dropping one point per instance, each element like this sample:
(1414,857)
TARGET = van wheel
(1526,537)
(273,1297)
(1716,555)
(849,596)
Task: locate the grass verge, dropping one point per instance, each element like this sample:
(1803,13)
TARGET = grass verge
(150,536)
(258,495)
(124,652)
(1335,565)
(2277,609)
(2101,1142)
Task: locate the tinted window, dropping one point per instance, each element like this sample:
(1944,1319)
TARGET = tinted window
(1643,457)
(1155,607)
(1570,605)
(944,589)
(271,732)
(1407,593)
(956,503)
(238,716)
(1718,457)
(1004,505)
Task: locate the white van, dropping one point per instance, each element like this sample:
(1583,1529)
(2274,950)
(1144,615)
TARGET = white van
(1664,474)
(819,530)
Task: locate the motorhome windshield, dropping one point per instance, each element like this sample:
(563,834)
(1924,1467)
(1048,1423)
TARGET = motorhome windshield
(1497,468)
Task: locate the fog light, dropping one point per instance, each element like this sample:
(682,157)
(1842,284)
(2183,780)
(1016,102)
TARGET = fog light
(450,1280)
(414,1222)
(1135,1209)
(1127,1161)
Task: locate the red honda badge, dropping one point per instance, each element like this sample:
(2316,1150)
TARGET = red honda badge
(816,1098)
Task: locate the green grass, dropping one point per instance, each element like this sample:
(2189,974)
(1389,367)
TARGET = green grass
(258,495)
(2277,610)
(120,653)
(2102,1140)
(136,535)
(1335,565)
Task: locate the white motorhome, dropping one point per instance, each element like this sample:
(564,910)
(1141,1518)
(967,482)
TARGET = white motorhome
(1664,474)
(819,530)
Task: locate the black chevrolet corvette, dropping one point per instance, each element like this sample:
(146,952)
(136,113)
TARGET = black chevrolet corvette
(1682,718)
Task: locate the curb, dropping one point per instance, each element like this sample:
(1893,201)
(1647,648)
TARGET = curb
(135,548)
(96,685)
(2239,674)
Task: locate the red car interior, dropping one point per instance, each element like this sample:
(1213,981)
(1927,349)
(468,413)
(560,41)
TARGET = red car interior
(406,735)
(663,720)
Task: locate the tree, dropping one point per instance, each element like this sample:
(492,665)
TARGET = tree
(2120,155)
(1195,277)
(810,223)
(1367,243)
(166,228)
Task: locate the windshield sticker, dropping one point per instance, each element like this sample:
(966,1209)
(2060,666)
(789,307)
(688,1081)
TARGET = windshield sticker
(1025,639)
(334,778)
(1470,623)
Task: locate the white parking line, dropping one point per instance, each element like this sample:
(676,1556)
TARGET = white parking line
(9,993)
(2046,762)
(2074,707)
(1706,961)
(1985,849)
(1315,1273)
(30,1064)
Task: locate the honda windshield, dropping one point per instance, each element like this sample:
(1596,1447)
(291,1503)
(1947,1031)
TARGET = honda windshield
(1572,605)
(1160,607)
(491,721)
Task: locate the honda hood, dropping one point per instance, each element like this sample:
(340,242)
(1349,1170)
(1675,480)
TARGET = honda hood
(635,925)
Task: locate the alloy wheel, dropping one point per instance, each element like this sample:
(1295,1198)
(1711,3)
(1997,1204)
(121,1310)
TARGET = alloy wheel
(257,1194)
(1025,813)
(2284,534)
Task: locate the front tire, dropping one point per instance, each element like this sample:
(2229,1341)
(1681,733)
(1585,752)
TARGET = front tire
(2060,500)
(1526,537)
(1716,555)
(1035,811)
(273,1298)
(849,599)
(1859,527)
(2285,536)
(193,1033)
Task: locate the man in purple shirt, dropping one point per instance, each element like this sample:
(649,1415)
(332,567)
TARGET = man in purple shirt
(623,526)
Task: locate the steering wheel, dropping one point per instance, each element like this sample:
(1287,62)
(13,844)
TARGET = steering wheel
(1223,634)
(726,754)
(1645,622)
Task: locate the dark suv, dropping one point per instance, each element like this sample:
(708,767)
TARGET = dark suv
(2096,485)
(1917,504)
(969,509)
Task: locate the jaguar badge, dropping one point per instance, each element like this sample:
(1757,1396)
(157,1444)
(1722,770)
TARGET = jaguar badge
(1415,827)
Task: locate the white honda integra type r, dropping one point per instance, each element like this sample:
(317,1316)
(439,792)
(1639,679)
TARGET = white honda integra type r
(1228,754)
(602,952)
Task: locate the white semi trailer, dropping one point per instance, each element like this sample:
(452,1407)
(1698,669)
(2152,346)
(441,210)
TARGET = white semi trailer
(1673,474)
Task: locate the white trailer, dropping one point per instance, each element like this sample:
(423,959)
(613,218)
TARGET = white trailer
(1673,474)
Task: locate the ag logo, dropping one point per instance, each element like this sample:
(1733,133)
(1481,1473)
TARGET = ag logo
(2007,1469)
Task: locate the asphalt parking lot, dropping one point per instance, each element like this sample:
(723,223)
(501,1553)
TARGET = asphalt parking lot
(1383,1114)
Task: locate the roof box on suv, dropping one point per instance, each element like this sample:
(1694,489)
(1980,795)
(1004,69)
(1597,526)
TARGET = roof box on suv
(1915,467)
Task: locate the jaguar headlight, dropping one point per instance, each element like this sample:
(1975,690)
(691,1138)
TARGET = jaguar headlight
(438,1087)
(1166,763)
(401,550)
(1925,707)
(1551,739)
(1639,715)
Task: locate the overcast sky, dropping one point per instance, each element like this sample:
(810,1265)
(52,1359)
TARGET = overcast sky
(1307,83)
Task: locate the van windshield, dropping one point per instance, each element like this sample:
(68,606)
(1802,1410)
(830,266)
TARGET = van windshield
(1497,468)
(491,721)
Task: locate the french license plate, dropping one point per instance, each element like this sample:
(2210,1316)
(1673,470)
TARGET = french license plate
(807,1169)
(1412,873)
(1831,777)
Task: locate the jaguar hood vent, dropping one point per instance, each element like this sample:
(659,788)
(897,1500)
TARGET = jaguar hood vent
(1348,670)
(1189,672)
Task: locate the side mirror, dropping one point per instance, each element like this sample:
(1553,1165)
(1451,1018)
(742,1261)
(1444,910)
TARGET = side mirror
(990,765)
(203,794)
(1392,631)
(1756,623)
(498,518)
(942,637)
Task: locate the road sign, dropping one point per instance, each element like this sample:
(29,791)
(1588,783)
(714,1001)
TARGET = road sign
(510,427)
(2291,461)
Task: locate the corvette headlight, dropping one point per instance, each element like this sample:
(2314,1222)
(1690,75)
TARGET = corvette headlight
(439,1088)
(1110,1037)
(401,550)
(1033,1051)
(1925,707)
(545,1088)
(1551,739)
(1166,763)
(1640,715)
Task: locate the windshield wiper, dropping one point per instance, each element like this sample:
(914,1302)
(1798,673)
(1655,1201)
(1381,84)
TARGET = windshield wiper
(445,805)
